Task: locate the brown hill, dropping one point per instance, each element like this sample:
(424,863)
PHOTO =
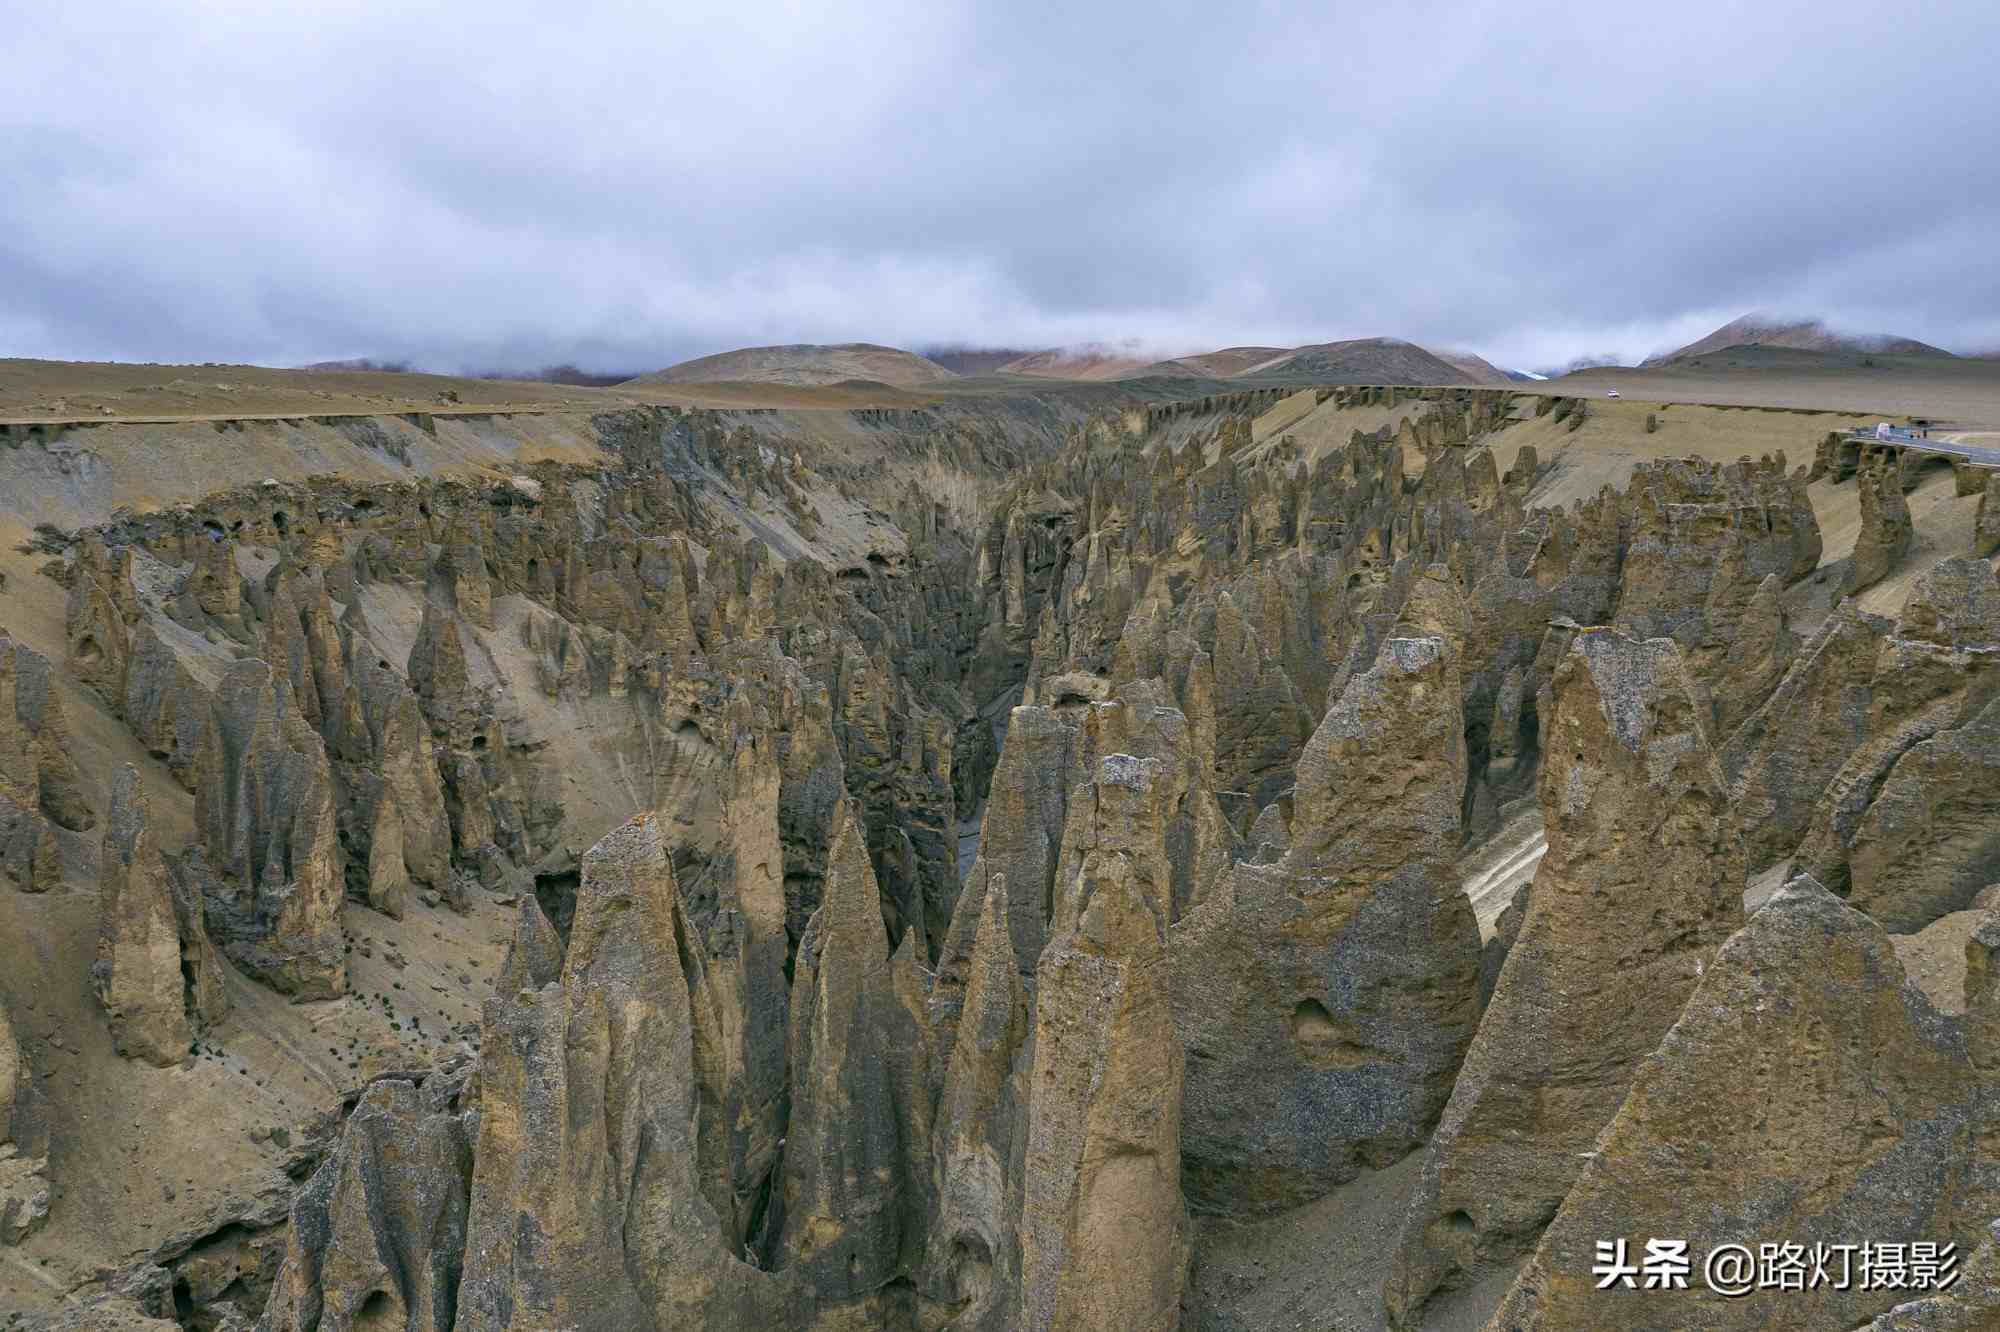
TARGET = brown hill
(1482,370)
(1358,360)
(1760,330)
(1088,361)
(1224,364)
(1365,361)
(804,364)
(970,361)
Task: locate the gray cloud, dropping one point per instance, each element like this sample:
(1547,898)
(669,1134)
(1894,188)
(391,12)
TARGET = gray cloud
(524,184)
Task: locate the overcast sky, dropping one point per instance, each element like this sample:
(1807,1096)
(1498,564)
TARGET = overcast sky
(626,185)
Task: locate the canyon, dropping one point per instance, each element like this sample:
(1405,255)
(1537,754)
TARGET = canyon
(1135,856)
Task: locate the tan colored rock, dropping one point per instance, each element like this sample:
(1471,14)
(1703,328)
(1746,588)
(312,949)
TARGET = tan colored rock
(1930,840)
(1986,521)
(264,812)
(166,708)
(24,1184)
(857,1150)
(587,1207)
(1020,833)
(28,853)
(215,586)
(1104,1233)
(462,569)
(1760,648)
(285,645)
(1704,536)
(1982,993)
(39,787)
(1325,1001)
(1806,1091)
(1782,758)
(1953,608)
(535,953)
(388,756)
(1183,841)
(203,971)
(440,678)
(1642,880)
(10,1076)
(388,877)
(1886,528)
(1259,724)
(971,1269)
(27,846)
(137,975)
(1938,666)
(101,608)
(742,997)
(377,1235)
(1493,954)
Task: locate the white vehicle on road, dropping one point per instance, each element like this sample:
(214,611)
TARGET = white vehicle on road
(1611,393)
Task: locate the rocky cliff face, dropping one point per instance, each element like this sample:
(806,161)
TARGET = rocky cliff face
(1806,1090)
(953,915)
(1326,998)
(24,1185)
(1642,882)
(39,790)
(377,1235)
(1886,531)
(156,972)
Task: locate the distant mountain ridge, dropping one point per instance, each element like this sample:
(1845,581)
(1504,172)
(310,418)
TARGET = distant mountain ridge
(1482,370)
(805,364)
(1366,360)
(1095,361)
(1762,330)
(1353,361)
(970,361)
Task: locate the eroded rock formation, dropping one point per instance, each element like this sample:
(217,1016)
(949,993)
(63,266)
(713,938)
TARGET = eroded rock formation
(1806,1091)
(971,1269)
(715,712)
(1933,674)
(377,1235)
(588,1204)
(1781,759)
(1886,531)
(1642,881)
(857,1154)
(1103,1225)
(39,790)
(1986,520)
(1325,1000)
(156,972)
(24,1185)
(271,861)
